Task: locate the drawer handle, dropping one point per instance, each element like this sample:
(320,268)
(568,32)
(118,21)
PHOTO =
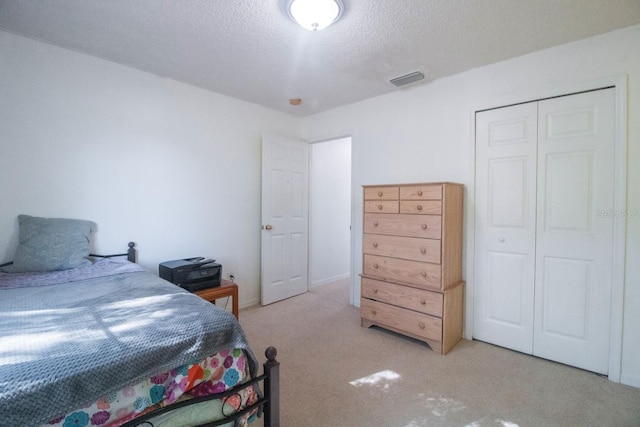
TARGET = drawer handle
(424,274)
(379,207)
(419,192)
(374,312)
(375,244)
(419,207)
(424,226)
(423,301)
(375,291)
(423,250)
(422,325)
(379,193)
(375,223)
(375,265)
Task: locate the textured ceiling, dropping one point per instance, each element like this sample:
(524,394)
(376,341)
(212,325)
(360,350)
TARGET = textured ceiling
(251,50)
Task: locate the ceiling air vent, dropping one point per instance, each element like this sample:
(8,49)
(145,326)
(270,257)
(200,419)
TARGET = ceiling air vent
(407,78)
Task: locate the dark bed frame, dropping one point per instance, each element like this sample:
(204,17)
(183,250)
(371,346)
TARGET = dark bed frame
(131,254)
(268,404)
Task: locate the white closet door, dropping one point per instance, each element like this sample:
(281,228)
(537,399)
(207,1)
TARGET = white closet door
(544,234)
(574,239)
(505,226)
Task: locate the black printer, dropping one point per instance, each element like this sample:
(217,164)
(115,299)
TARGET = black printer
(192,274)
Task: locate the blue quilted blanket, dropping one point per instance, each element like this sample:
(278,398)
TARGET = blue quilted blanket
(63,345)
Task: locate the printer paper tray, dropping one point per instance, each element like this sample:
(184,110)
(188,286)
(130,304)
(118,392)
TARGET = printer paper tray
(197,286)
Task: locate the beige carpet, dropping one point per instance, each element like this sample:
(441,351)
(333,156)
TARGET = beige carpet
(336,373)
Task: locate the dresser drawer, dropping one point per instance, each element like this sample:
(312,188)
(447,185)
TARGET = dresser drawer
(417,324)
(421,192)
(403,296)
(381,193)
(421,207)
(382,206)
(426,226)
(426,250)
(414,273)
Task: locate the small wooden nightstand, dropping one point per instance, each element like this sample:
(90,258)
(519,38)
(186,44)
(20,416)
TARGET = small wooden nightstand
(226,289)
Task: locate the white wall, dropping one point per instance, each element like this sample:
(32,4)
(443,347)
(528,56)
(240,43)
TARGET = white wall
(177,169)
(330,211)
(426,134)
(170,166)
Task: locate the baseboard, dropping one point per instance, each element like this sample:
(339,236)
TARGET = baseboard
(254,301)
(330,280)
(226,303)
(249,303)
(632,380)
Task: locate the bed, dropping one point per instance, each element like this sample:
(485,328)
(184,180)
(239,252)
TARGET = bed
(107,343)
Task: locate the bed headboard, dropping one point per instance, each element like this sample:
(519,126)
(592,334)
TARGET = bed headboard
(131,254)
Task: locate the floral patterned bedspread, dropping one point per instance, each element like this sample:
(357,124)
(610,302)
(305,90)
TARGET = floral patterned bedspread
(211,375)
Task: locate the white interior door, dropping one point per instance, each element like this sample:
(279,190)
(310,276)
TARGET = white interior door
(574,243)
(544,175)
(285,218)
(505,226)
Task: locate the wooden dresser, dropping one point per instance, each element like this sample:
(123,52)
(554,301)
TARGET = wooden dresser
(412,261)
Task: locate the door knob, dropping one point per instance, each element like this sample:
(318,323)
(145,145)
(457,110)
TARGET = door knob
(268,227)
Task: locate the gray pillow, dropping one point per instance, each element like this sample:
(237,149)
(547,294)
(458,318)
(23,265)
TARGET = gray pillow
(49,244)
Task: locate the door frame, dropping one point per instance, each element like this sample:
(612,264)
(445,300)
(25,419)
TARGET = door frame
(619,84)
(352,214)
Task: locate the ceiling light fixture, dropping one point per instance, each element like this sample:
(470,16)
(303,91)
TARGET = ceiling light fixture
(315,15)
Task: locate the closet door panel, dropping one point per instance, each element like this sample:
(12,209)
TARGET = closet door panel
(569,191)
(508,198)
(565,288)
(507,284)
(574,241)
(505,226)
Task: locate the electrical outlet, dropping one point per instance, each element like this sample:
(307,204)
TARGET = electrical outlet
(232,277)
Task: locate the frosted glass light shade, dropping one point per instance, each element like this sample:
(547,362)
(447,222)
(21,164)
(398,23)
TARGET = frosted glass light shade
(315,15)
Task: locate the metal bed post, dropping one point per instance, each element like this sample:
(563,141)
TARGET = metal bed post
(132,253)
(272,388)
